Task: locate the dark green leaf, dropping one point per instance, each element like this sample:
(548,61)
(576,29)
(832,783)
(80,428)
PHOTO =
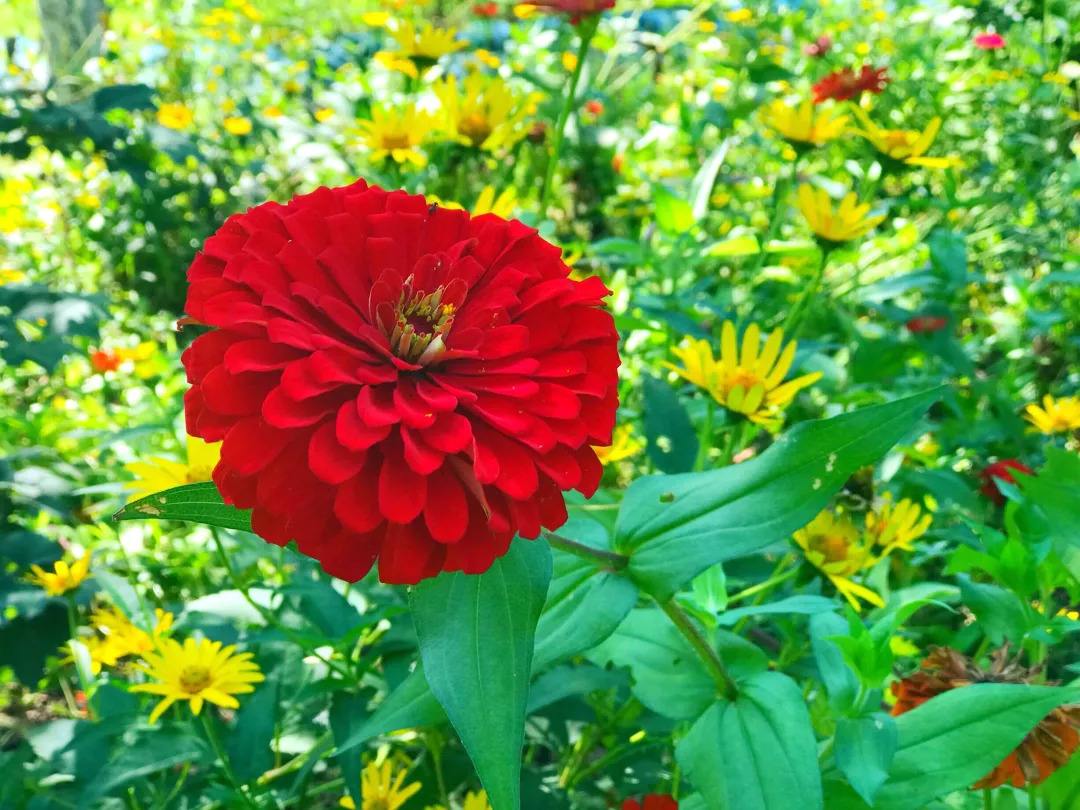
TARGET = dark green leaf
(668,676)
(672,442)
(806,604)
(348,714)
(936,754)
(584,604)
(864,751)
(193,503)
(676,526)
(25,643)
(565,681)
(756,752)
(411,705)
(476,641)
(249,737)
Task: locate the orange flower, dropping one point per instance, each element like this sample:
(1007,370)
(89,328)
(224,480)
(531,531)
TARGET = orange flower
(1046,748)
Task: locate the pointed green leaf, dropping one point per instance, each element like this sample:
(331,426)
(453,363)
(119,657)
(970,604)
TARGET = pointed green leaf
(937,754)
(584,604)
(476,637)
(756,752)
(676,526)
(193,503)
(411,705)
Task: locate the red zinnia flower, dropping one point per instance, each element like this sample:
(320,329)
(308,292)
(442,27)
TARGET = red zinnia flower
(819,47)
(989,41)
(653,801)
(844,84)
(927,323)
(104,360)
(1046,748)
(395,381)
(1000,470)
(576,9)
(486,9)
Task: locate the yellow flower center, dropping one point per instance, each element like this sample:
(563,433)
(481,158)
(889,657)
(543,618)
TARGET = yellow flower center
(898,139)
(833,547)
(740,377)
(395,140)
(476,127)
(194,678)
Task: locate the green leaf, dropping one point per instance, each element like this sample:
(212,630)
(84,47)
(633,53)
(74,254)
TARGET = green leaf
(672,442)
(756,752)
(669,677)
(673,214)
(411,705)
(1002,615)
(565,681)
(745,245)
(154,751)
(702,185)
(584,604)
(1053,494)
(841,683)
(936,754)
(193,503)
(865,747)
(675,526)
(348,713)
(765,70)
(476,642)
(248,739)
(806,604)
(25,643)
(948,256)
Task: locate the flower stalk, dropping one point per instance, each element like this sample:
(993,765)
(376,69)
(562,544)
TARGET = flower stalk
(586,30)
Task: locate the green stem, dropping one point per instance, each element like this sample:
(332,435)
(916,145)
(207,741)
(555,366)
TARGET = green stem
(779,208)
(708,654)
(267,615)
(705,436)
(1033,797)
(988,799)
(795,317)
(768,584)
(215,743)
(586,30)
(609,559)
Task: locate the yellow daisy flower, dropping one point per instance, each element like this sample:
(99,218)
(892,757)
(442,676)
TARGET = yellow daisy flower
(198,670)
(382,787)
(9,275)
(483,113)
(501,206)
(896,526)
(1060,415)
(850,220)
(806,125)
(237,125)
(157,474)
(747,381)
(831,543)
(424,45)
(624,444)
(906,145)
(117,637)
(397,133)
(63,577)
(175,116)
